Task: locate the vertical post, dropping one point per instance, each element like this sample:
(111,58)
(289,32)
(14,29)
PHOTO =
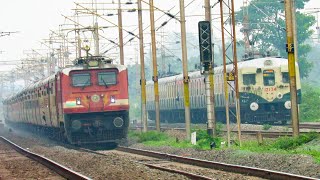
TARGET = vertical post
(185,69)
(155,68)
(96,39)
(79,43)
(209,83)
(120,33)
(142,73)
(235,64)
(292,68)
(225,74)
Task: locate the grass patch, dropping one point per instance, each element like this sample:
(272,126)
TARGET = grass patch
(154,138)
(283,145)
(148,136)
(289,143)
(286,145)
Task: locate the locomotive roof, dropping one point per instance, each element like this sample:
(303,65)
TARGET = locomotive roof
(108,66)
(66,71)
(254,63)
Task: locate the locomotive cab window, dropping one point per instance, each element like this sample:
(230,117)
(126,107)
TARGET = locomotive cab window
(268,78)
(249,79)
(80,80)
(107,78)
(285,77)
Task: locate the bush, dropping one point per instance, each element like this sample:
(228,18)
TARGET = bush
(289,143)
(219,127)
(266,126)
(204,140)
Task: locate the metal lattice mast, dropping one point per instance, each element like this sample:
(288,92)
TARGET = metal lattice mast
(230,77)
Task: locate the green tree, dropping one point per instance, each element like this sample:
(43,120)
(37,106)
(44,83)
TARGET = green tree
(309,108)
(267,24)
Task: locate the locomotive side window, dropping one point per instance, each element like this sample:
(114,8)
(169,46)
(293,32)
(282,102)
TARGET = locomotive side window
(268,77)
(249,79)
(107,78)
(285,77)
(80,80)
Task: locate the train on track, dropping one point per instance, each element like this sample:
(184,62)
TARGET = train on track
(263,87)
(85,103)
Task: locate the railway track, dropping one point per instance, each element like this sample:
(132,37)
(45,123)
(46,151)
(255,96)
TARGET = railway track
(57,168)
(247,171)
(263,173)
(308,126)
(155,164)
(270,134)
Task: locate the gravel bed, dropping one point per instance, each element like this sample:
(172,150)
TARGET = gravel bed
(112,166)
(295,164)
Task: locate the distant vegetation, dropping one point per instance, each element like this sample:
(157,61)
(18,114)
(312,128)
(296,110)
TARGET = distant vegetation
(310,106)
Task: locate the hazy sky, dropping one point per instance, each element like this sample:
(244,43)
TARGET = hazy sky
(34,19)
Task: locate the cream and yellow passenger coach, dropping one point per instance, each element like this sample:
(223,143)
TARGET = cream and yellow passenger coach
(264,93)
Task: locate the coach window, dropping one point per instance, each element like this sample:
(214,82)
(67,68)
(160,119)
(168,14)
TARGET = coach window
(268,77)
(107,78)
(285,77)
(249,79)
(80,80)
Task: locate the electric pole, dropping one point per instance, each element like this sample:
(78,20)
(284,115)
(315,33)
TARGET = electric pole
(209,83)
(185,70)
(120,33)
(292,67)
(142,71)
(155,68)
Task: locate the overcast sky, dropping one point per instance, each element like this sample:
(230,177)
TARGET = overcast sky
(33,19)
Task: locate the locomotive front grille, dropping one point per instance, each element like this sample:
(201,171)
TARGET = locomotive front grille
(104,136)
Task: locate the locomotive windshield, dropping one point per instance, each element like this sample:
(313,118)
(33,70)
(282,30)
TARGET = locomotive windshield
(107,78)
(80,80)
(249,79)
(268,78)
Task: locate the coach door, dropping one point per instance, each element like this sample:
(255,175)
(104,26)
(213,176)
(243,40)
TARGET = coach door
(52,104)
(58,100)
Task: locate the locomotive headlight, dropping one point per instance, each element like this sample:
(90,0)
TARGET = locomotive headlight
(254,106)
(78,101)
(112,99)
(287,104)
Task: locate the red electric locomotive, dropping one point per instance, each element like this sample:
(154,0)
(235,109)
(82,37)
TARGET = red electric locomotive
(86,103)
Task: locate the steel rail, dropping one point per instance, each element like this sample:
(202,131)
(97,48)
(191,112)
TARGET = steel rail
(308,126)
(58,168)
(252,171)
(187,174)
